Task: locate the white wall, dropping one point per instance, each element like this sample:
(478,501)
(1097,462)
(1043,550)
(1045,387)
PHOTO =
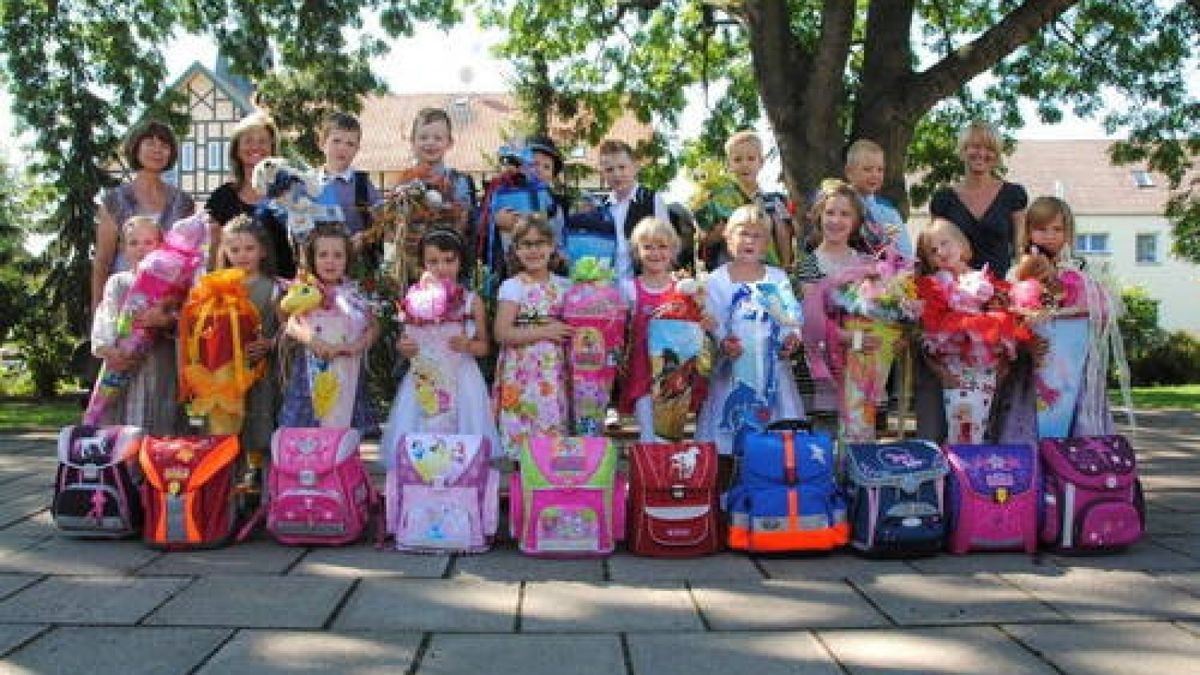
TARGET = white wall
(1172,281)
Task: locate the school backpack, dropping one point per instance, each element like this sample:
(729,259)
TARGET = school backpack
(673,499)
(784,497)
(592,233)
(318,489)
(189,490)
(567,500)
(95,490)
(994,493)
(522,192)
(1092,498)
(442,494)
(897,496)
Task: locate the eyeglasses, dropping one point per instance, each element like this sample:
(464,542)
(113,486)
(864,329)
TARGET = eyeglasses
(528,245)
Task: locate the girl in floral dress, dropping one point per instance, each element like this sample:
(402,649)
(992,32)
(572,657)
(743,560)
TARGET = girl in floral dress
(530,389)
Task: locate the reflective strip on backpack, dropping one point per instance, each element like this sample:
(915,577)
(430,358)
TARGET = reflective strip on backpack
(176,520)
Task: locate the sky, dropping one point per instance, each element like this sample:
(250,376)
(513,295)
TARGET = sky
(469,66)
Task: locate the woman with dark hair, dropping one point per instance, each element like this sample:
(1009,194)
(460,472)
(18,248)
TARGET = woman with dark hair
(150,150)
(254,139)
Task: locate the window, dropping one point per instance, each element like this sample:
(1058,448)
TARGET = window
(214,155)
(1142,178)
(187,156)
(1092,243)
(1146,252)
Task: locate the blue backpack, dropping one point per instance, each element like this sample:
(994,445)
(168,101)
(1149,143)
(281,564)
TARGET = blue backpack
(592,233)
(784,497)
(897,497)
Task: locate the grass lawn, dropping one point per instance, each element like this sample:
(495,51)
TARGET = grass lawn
(21,413)
(1184,396)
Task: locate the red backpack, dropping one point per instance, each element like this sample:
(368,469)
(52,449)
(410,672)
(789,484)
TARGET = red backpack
(673,499)
(189,492)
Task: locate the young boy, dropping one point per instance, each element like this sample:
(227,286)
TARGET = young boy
(628,202)
(340,137)
(744,161)
(864,172)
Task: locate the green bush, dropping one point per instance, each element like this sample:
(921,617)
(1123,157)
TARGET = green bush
(1174,359)
(45,343)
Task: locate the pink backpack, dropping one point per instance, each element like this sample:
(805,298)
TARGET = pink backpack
(442,494)
(994,492)
(318,490)
(1093,498)
(567,500)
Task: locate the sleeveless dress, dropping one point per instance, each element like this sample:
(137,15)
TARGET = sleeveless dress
(530,398)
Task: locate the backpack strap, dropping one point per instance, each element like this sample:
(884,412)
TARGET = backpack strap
(362,198)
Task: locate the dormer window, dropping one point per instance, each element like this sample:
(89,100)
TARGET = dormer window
(1142,178)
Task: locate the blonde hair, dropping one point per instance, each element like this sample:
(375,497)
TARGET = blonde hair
(979,131)
(832,188)
(251,122)
(653,228)
(139,222)
(936,226)
(1042,211)
(747,216)
(859,149)
(744,137)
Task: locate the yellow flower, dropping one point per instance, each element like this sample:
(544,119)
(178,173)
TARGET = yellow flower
(324,393)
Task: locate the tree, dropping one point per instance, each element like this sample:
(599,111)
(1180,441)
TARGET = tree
(906,74)
(81,72)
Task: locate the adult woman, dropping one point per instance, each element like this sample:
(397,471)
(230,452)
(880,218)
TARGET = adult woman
(986,208)
(150,150)
(254,139)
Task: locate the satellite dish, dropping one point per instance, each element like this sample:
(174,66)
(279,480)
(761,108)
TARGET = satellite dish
(466,74)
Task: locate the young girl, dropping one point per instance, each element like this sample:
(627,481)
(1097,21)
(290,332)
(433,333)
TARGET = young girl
(443,391)
(325,388)
(530,396)
(758,328)
(149,400)
(1074,315)
(656,247)
(970,335)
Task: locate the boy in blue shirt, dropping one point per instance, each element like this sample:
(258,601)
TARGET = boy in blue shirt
(864,171)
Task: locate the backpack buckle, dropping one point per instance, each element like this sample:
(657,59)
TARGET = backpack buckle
(307,477)
(677,492)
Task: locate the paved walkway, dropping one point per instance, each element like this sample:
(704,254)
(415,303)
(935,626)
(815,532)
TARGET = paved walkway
(116,607)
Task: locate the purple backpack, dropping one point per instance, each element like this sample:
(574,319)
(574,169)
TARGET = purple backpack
(993,497)
(318,489)
(1093,498)
(442,494)
(95,492)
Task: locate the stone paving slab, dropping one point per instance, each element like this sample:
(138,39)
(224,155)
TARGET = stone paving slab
(1187,545)
(89,600)
(524,654)
(626,568)
(267,652)
(769,653)
(366,561)
(63,556)
(431,605)
(1172,522)
(128,651)
(914,599)
(784,604)
(11,583)
(983,562)
(1145,555)
(839,565)
(507,564)
(571,606)
(1103,595)
(1113,648)
(961,650)
(1188,581)
(13,635)
(1186,501)
(254,602)
(253,557)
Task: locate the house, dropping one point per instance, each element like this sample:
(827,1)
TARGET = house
(1119,221)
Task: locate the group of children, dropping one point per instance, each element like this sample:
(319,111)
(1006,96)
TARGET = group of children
(971,329)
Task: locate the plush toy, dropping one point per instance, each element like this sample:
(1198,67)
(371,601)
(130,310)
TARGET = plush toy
(294,191)
(303,295)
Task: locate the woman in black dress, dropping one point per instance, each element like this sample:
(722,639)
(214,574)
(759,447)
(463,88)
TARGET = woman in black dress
(254,139)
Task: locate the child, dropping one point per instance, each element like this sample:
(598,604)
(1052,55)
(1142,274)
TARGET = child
(655,246)
(758,328)
(530,396)
(325,388)
(431,138)
(444,391)
(865,171)
(744,161)
(340,138)
(835,339)
(1074,315)
(628,202)
(970,336)
(149,400)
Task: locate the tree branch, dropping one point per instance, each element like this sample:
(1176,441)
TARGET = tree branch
(1015,29)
